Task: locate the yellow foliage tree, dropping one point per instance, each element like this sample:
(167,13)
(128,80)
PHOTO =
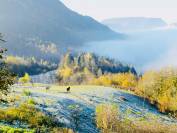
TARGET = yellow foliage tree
(160,87)
(66,72)
(25,79)
(103,80)
(124,80)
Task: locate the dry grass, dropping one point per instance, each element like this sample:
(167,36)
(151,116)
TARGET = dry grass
(154,127)
(108,120)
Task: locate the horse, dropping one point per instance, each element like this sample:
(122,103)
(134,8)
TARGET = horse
(68,89)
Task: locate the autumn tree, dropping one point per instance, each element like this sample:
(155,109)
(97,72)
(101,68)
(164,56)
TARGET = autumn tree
(25,79)
(124,80)
(160,87)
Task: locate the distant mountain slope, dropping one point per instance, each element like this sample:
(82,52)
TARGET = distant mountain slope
(134,23)
(43,27)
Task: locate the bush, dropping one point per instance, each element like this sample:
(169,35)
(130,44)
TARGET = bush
(28,114)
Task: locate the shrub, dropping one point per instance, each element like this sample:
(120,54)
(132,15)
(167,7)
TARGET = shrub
(28,114)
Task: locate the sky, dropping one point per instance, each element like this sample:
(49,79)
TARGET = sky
(103,9)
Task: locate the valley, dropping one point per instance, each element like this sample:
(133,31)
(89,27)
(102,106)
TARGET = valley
(152,49)
(63,69)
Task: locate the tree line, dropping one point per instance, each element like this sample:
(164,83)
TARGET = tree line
(79,68)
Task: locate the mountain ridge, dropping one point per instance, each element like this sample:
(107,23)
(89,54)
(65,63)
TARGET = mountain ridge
(126,24)
(42,22)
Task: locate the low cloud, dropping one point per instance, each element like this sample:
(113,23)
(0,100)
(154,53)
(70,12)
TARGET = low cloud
(166,60)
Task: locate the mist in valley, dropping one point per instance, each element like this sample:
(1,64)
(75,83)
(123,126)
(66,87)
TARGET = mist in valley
(145,50)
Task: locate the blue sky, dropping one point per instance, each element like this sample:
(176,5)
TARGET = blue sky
(102,9)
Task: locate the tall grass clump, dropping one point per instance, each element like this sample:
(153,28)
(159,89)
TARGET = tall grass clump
(26,93)
(109,120)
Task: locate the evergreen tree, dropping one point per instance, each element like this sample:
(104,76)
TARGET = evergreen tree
(6,78)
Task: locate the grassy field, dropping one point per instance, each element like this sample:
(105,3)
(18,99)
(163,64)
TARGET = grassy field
(76,109)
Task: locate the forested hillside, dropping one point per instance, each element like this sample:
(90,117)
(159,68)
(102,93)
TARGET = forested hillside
(30,65)
(84,67)
(46,28)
